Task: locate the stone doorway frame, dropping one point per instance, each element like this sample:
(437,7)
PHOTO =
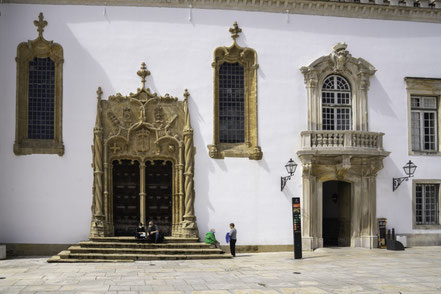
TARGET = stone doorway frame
(143,126)
(361,172)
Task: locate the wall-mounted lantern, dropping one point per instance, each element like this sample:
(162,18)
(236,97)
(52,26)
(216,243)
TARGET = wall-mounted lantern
(409,169)
(291,169)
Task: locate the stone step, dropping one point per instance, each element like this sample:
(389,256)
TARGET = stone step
(143,251)
(86,257)
(140,244)
(167,239)
(57,259)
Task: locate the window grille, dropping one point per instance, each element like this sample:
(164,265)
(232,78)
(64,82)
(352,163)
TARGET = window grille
(336,103)
(41,98)
(427,204)
(231,103)
(424,123)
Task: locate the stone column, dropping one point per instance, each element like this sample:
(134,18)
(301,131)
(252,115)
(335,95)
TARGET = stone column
(108,231)
(97,223)
(142,194)
(189,227)
(180,195)
(368,217)
(314,109)
(356,212)
(311,233)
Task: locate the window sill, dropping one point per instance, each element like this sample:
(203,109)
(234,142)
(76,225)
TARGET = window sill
(222,150)
(426,227)
(28,147)
(425,153)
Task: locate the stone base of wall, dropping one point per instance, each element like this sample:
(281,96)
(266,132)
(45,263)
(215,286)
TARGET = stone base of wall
(2,251)
(423,239)
(259,248)
(22,249)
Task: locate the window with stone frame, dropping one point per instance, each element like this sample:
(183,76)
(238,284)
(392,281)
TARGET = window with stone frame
(336,104)
(39,96)
(424,115)
(235,102)
(426,204)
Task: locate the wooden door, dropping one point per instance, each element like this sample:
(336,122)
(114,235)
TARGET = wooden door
(125,197)
(158,183)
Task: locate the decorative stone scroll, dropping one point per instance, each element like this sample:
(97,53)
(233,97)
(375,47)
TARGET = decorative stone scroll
(144,126)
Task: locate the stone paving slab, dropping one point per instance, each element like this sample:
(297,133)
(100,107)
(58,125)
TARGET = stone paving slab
(332,270)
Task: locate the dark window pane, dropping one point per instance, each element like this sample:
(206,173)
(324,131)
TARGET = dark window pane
(41,99)
(231,103)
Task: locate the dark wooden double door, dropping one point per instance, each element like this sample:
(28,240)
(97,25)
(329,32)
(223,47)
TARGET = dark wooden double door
(126,195)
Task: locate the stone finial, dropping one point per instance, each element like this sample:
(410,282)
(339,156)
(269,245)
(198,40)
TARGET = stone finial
(235,30)
(40,24)
(186,94)
(143,73)
(339,46)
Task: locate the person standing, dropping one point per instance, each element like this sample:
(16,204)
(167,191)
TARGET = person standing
(233,239)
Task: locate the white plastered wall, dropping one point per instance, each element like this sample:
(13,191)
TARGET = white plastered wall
(47,198)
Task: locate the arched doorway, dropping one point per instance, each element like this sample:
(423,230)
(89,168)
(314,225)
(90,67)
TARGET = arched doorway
(336,224)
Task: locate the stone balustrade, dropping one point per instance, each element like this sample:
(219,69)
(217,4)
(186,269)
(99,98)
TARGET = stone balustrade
(342,140)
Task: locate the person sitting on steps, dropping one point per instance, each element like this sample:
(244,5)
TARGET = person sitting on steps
(140,232)
(210,238)
(153,234)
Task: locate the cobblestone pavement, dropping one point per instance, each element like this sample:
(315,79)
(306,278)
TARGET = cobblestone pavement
(344,270)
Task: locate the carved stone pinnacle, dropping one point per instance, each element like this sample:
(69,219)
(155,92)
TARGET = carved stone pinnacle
(186,94)
(235,30)
(40,24)
(99,92)
(143,73)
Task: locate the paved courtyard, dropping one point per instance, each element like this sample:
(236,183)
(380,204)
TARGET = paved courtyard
(344,270)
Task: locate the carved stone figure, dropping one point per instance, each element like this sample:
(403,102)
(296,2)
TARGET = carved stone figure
(339,56)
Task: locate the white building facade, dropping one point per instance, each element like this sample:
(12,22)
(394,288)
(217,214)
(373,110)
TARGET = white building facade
(350,94)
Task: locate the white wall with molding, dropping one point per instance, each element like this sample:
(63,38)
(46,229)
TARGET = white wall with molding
(47,198)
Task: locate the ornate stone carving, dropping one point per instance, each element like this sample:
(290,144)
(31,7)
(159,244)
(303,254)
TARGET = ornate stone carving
(339,56)
(26,52)
(145,126)
(143,140)
(246,57)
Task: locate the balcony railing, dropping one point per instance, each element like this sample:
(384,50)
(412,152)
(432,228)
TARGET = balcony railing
(342,140)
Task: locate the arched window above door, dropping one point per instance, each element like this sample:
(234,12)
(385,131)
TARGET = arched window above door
(337,89)
(336,104)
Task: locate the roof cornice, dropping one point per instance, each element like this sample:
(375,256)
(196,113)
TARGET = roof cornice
(390,10)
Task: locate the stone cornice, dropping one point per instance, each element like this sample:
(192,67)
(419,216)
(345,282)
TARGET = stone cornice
(390,10)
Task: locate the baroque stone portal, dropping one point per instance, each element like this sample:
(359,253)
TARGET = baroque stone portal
(143,128)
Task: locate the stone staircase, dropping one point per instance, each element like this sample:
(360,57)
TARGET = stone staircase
(129,249)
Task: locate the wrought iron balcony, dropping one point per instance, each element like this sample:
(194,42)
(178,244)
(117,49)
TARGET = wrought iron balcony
(342,142)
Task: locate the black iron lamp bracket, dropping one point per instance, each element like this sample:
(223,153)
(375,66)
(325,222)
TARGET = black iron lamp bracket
(283,181)
(396,182)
